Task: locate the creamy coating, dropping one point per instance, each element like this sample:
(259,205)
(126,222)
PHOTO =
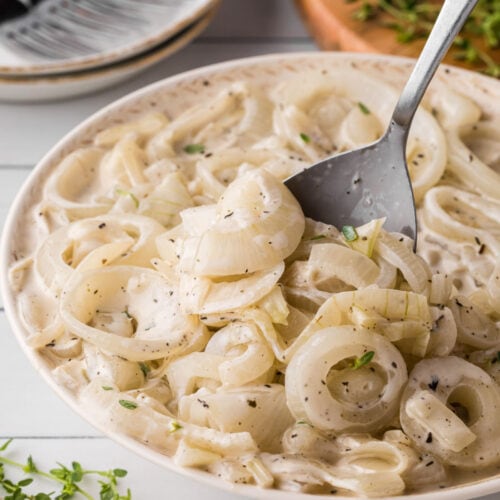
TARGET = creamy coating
(181,275)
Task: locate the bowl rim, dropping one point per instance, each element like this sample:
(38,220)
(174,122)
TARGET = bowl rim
(188,15)
(459,492)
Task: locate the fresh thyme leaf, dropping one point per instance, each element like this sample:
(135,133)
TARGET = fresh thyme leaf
(175,426)
(4,446)
(365,12)
(413,19)
(120,472)
(67,478)
(305,137)
(30,466)
(192,149)
(130,405)
(363,360)
(25,482)
(364,109)
(349,233)
(42,496)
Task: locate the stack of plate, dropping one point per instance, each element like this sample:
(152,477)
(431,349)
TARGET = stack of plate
(64,48)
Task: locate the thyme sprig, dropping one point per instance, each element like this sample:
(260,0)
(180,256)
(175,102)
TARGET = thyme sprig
(413,19)
(68,478)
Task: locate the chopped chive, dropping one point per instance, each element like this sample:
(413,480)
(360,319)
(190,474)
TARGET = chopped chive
(130,405)
(317,237)
(192,149)
(363,360)
(305,137)
(122,192)
(106,388)
(364,109)
(349,233)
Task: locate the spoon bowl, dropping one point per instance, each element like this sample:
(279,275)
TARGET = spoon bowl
(358,186)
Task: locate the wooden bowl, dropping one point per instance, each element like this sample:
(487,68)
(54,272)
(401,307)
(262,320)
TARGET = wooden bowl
(333,26)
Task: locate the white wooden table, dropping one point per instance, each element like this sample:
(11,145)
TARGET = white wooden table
(30,412)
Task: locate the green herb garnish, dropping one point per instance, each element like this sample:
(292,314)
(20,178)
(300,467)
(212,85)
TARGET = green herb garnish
(68,478)
(317,237)
(175,426)
(363,360)
(364,109)
(413,19)
(303,422)
(130,405)
(122,192)
(106,388)
(305,137)
(349,233)
(192,149)
(144,369)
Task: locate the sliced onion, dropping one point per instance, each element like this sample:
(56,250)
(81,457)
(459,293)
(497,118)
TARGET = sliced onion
(162,329)
(372,396)
(258,224)
(201,295)
(436,387)
(413,268)
(350,266)
(260,410)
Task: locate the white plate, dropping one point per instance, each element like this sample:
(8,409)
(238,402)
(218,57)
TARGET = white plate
(172,96)
(172,17)
(52,87)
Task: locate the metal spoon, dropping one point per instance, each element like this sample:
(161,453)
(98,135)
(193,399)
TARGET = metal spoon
(355,187)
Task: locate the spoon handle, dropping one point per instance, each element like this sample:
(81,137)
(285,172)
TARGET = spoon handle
(451,18)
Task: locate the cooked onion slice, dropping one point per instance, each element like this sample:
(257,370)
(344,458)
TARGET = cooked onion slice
(462,216)
(299,474)
(83,198)
(202,295)
(96,242)
(157,428)
(258,409)
(399,315)
(323,388)
(450,409)
(257,224)
(158,327)
(352,267)
(246,355)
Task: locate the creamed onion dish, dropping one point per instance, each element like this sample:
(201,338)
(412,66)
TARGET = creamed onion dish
(171,284)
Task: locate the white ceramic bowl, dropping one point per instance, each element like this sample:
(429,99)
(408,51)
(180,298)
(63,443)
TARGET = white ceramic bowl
(174,17)
(64,85)
(174,95)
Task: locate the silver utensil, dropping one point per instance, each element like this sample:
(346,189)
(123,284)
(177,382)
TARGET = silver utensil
(65,29)
(357,186)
